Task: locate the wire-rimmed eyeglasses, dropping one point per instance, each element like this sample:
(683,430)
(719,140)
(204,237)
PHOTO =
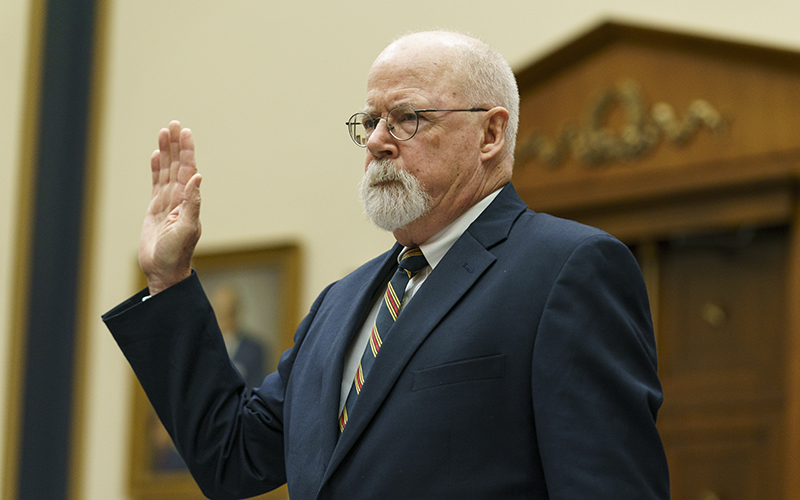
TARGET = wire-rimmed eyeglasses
(402,122)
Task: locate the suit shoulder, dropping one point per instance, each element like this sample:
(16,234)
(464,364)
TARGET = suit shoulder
(546,227)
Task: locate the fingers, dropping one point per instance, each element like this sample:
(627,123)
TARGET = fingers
(174,149)
(176,160)
(155,166)
(187,168)
(174,139)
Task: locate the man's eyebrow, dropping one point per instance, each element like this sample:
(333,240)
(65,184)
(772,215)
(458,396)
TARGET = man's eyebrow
(371,111)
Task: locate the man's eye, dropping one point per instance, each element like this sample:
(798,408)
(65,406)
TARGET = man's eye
(407,117)
(369,123)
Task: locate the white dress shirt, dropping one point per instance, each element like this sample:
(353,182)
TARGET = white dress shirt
(434,249)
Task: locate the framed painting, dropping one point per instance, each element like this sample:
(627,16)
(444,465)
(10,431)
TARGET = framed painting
(255,294)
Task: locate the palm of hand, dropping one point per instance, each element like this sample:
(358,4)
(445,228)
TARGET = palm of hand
(171,227)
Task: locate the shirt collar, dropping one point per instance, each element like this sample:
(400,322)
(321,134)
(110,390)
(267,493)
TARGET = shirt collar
(435,248)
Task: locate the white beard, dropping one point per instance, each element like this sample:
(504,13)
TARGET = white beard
(395,205)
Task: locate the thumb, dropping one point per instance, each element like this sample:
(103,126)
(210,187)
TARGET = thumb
(191,196)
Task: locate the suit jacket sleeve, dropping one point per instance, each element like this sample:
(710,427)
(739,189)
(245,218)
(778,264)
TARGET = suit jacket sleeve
(230,437)
(594,382)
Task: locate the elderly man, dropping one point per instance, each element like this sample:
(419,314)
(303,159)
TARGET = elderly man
(492,353)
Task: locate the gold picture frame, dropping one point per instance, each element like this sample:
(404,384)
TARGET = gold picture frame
(266,282)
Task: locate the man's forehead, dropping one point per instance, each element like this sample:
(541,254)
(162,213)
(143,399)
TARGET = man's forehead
(414,80)
(419,95)
(384,103)
(417,69)
(411,64)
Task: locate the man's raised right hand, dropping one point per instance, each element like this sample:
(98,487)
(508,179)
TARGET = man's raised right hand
(171,227)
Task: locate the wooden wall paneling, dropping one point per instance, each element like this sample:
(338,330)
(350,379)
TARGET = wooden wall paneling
(625,185)
(733,459)
(792,422)
(722,321)
(691,213)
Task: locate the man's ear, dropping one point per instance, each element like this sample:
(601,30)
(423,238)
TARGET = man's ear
(494,128)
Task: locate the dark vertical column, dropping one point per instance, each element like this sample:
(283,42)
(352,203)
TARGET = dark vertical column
(56,236)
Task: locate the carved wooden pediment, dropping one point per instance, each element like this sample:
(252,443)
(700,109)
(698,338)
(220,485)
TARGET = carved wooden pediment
(626,114)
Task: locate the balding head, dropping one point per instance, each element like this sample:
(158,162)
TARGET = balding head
(468,68)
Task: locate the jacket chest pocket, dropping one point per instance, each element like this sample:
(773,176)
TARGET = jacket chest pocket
(467,370)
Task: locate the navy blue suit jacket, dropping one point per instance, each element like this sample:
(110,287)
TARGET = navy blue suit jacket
(524,367)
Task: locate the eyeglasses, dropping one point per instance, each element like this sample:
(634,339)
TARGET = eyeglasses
(402,122)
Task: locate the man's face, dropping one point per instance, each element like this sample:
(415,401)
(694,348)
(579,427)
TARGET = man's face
(444,154)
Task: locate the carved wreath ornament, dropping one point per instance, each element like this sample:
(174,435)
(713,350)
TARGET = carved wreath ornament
(595,143)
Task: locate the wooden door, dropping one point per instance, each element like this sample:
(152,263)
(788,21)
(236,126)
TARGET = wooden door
(721,328)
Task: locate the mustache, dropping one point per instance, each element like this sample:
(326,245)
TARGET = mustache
(383,170)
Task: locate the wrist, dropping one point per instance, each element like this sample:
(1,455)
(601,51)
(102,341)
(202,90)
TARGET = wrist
(157,284)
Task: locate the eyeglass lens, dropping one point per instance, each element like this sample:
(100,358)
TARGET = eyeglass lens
(402,122)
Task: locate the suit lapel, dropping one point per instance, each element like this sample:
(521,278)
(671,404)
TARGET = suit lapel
(454,276)
(334,363)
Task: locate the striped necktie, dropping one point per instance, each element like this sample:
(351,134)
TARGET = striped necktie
(411,262)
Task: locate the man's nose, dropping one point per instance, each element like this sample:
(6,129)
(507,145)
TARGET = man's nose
(381,143)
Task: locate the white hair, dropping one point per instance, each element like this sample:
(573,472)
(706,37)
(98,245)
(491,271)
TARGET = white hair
(487,78)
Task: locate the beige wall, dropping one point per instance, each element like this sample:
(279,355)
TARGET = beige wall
(266,87)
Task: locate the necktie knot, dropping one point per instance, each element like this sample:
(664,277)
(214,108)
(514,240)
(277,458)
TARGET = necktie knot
(412,261)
